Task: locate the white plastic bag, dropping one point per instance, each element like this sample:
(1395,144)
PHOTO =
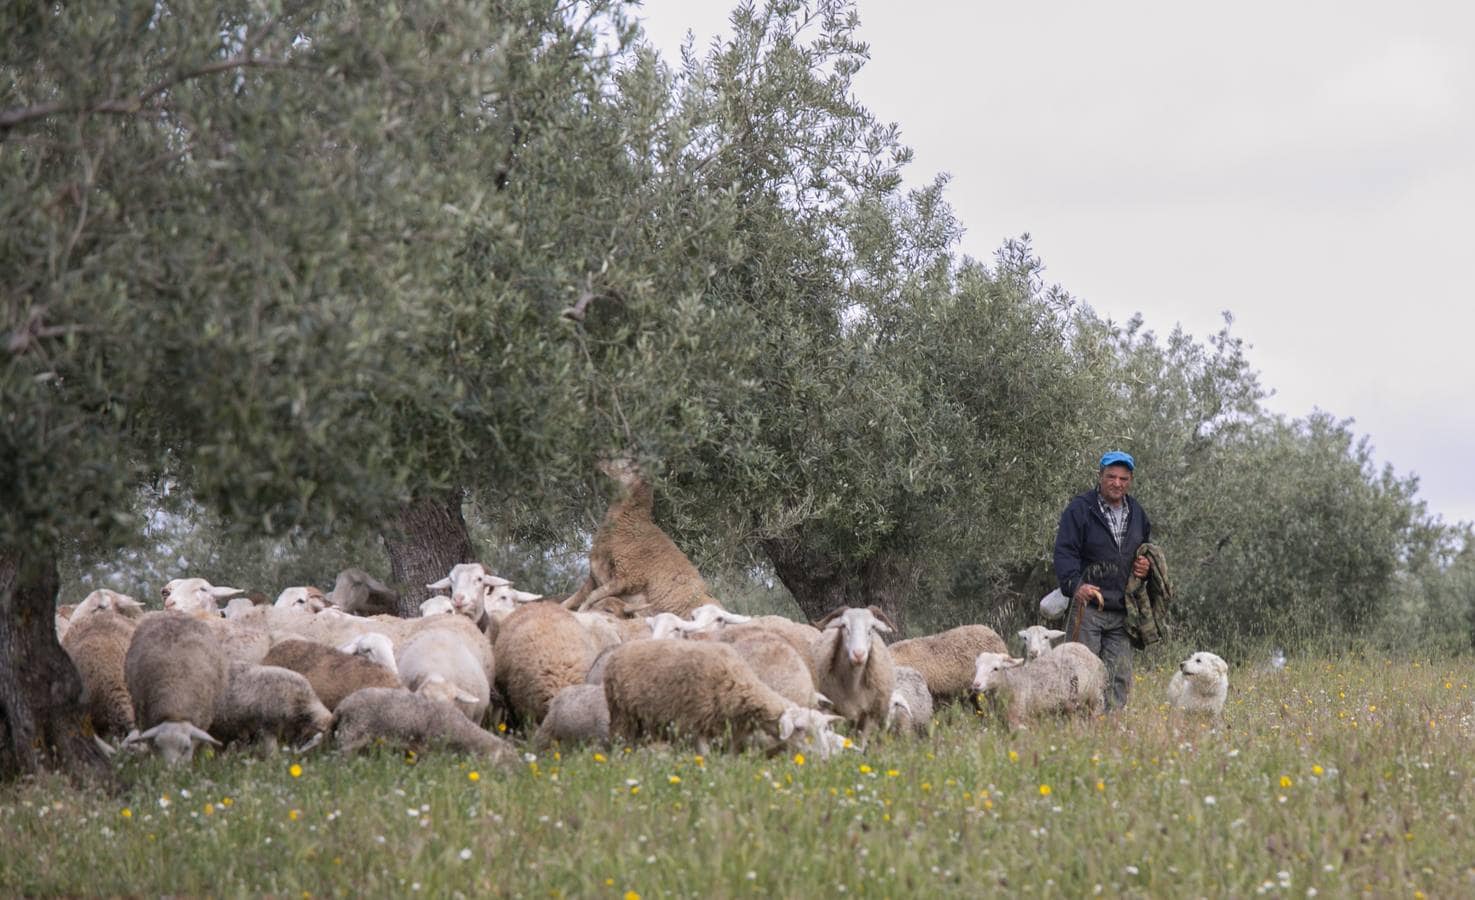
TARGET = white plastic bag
(1054,604)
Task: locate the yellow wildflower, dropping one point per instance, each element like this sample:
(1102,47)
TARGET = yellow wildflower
(473,776)
(1317,770)
(599,757)
(631,895)
(293,814)
(1285,781)
(892,773)
(865,769)
(798,759)
(1044,790)
(126,813)
(1013,757)
(674,779)
(295,771)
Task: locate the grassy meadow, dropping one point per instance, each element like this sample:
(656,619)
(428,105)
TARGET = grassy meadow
(1334,777)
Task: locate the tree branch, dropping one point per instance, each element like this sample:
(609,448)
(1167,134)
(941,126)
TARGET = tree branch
(11,118)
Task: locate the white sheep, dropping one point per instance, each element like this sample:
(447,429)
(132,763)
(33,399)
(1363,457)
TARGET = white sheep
(443,652)
(414,721)
(1201,684)
(702,691)
(196,596)
(270,704)
(1063,681)
(175,671)
(103,598)
(471,587)
(577,714)
(854,668)
(946,659)
(376,648)
(1038,640)
(911,703)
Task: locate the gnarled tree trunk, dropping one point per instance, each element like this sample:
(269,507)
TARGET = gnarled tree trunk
(43,724)
(424,541)
(820,582)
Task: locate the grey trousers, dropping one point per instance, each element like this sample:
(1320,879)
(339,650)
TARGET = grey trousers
(1104,632)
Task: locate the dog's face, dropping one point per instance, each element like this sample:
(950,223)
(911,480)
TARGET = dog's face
(1205,666)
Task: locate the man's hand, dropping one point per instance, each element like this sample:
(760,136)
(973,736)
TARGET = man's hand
(1140,565)
(1088,592)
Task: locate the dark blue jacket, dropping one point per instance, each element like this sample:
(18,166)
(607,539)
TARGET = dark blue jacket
(1085,552)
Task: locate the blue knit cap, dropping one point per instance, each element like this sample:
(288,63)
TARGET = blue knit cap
(1117,456)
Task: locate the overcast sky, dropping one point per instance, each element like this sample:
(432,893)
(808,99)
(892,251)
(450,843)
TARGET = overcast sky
(1309,167)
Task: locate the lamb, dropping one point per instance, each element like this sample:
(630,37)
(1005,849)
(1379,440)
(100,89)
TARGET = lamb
(333,673)
(779,665)
(633,564)
(303,598)
(176,674)
(1065,681)
(98,645)
(196,596)
(270,703)
(443,652)
(1037,640)
(1201,684)
(947,659)
(411,720)
(718,694)
(855,670)
(358,593)
(911,703)
(542,649)
(577,714)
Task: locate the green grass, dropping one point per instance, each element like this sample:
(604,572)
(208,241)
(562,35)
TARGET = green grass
(1343,776)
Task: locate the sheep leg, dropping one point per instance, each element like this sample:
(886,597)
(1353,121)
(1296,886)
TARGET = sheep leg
(577,597)
(612,588)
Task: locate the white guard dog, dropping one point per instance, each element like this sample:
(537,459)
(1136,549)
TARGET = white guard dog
(1200,684)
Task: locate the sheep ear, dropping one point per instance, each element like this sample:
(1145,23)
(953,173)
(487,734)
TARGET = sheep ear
(465,697)
(824,621)
(495,581)
(221,592)
(199,734)
(1011,662)
(885,619)
(1023,636)
(786,724)
(1054,635)
(823,702)
(441,585)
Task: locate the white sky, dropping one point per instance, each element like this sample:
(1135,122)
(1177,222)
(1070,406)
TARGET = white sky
(1309,167)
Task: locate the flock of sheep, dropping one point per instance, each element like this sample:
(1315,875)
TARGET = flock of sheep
(641,652)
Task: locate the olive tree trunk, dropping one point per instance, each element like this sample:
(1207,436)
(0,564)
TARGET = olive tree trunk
(423,542)
(43,724)
(820,582)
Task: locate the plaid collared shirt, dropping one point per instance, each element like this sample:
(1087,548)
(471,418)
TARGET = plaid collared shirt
(1116,518)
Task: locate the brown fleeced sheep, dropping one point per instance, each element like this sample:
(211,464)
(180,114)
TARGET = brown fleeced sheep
(98,644)
(947,659)
(701,691)
(541,649)
(176,674)
(799,635)
(405,719)
(778,665)
(911,703)
(332,673)
(633,564)
(356,592)
(854,668)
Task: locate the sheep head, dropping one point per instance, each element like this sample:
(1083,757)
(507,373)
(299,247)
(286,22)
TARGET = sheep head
(356,591)
(174,740)
(990,668)
(800,727)
(102,598)
(196,596)
(471,586)
(375,647)
(856,626)
(1037,640)
(436,687)
(307,599)
(436,606)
